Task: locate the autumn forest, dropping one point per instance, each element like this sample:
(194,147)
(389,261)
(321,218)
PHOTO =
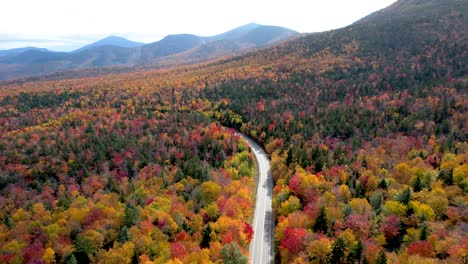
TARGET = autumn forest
(366,128)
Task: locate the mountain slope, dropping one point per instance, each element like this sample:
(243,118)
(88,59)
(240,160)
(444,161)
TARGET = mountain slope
(403,34)
(354,119)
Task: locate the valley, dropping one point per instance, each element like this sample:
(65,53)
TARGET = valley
(359,135)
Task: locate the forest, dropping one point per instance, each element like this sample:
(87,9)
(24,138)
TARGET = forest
(366,128)
(120,176)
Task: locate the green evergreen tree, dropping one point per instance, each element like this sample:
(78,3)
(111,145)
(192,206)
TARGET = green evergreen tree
(417,185)
(347,210)
(338,251)
(355,254)
(360,191)
(424,233)
(321,223)
(376,201)
(383,184)
(135,259)
(382,258)
(8,221)
(112,186)
(231,254)
(446,176)
(123,235)
(206,237)
(131,216)
(405,196)
(72,260)
(84,247)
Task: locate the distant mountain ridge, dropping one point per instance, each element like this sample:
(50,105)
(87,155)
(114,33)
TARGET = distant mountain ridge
(236,33)
(112,41)
(20,50)
(116,51)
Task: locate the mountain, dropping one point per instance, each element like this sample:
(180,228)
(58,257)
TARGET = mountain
(20,50)
(111,41)
(265,35)
(407,32)
(235,33)
(169,45)
(254,36)
(180,49)
(248,37)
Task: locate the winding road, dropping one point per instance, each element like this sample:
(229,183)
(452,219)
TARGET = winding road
(261,247)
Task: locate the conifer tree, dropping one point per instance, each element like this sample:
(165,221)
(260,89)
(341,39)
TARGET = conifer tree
(321,223)
(338,251)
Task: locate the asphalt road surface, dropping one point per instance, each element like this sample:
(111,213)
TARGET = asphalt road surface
(261,247)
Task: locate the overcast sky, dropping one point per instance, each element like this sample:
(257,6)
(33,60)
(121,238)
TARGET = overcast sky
(68,24)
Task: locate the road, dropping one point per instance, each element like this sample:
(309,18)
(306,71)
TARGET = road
(261,247)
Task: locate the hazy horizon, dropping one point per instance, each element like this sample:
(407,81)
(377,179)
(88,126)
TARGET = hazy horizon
(63,26)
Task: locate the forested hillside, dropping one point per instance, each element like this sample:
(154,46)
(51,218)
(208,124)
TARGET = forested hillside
(119,176)
(366,127)
(367,130)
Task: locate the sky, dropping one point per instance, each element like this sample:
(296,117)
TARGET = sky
(64,25)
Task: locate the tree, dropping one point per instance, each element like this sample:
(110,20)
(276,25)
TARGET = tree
(321,223)
(438,201)
(319,250)
(376,201)
(249,232)
(123,235)
(289,206)
(417,184)
(356,252)
(231,254)
(338,251)
(405,196)
(131,216)
(72,260)
(206,237)
(423,211)
(122,254)
(394,208)
(402,173)
(177,250)
(446,175)
(382,184)
(360,191)
(360,205)
(293,239)
(421,248)
(460,176)
(424,233)
(49,256)
(359,224)
(84,247)
(391,229)
(210,191)
(381,258)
